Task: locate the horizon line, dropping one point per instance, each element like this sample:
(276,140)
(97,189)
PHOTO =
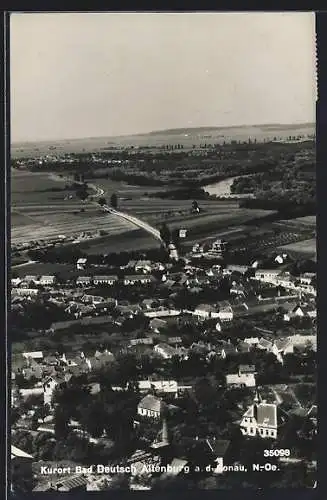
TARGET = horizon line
(137,134)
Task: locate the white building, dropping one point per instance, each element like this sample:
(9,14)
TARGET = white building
(142,279)
(245,377)
(163,386)
(105,280)
(150,406)
(260,419)
(164,350)
(206,311)
(49,386)
(47,280)
(81,263)
(84,281)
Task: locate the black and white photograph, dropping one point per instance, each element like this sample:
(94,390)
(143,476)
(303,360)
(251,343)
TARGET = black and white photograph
(163,286)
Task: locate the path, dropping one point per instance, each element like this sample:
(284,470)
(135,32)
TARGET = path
(134,220)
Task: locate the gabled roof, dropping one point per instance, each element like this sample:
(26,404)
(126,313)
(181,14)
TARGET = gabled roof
(18,453)
(282,343)
(33,354)
(265,343)
(247,368)
(71,482)
(150,402)
(218,447)
(267,415)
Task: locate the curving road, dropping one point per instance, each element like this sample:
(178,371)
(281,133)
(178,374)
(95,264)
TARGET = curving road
(134,220)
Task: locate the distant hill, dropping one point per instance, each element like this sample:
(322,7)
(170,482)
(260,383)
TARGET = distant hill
(187,136)
(203,130)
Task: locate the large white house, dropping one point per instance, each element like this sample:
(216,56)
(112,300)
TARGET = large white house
(244,377)
(150,406)
(260,419)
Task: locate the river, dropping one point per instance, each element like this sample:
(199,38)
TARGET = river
(223,188)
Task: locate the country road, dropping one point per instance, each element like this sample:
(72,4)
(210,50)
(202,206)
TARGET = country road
(134,220)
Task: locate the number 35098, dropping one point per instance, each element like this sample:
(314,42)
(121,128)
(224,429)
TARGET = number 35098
(285,452)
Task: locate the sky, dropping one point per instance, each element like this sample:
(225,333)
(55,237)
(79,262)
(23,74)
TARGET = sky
(78,75)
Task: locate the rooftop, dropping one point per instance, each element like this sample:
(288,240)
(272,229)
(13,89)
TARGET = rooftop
(150,402)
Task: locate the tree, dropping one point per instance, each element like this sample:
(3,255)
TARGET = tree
(102,201)
(114,201)
(175,238)
(165,234)
(195,207)
(61,419)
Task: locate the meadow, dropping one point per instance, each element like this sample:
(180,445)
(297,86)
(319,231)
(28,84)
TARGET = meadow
(38,213)
(303,249)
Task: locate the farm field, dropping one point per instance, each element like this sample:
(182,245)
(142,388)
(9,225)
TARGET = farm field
(306,248)
(308,222)
(38,213)
(136,239)
(50,224)
(47,268)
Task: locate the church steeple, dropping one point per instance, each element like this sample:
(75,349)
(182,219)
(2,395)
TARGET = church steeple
(257,398)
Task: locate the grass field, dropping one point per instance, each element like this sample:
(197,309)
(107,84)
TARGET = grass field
(39,269)
(305,248)
(37,213)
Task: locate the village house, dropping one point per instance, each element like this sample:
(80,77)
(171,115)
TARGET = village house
(228,350)
(81,263)
(157,324)
(159,386)
(144,341)
(32,279)
(240,310)
(138,279)
(245,377)
(35,355)
(15,282)
(307,278)
(150,406)
(25,292)
(174,340)
(264,345)
(165,351)
(72,483)
(219,449)
(105,280)
(268,275)
(84,281)
(206,311)
(281,347)
(143,266)
(237,289)
(235,268)
(31,372)
(99,360)
(260,419)
(225,311)
(48,280)
(305,341)
(50,385)
(92,299)
(300,311)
